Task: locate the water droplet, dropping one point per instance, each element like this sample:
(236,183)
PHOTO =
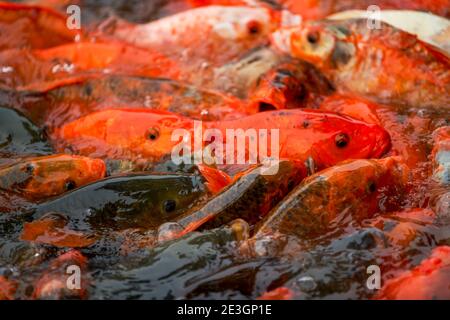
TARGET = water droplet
(168,231)
(306,283)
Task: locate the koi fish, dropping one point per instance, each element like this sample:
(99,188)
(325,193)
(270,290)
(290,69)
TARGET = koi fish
(351,189)
(67,103)
(203,38)
(130,201)
(42,177)
(430,280)
(31,26)
(42,70)
(325,137)
(371,63)
(291,84)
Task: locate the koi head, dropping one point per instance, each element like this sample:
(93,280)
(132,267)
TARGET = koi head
(346,138)
(325,45)
(365,187)
(47,176)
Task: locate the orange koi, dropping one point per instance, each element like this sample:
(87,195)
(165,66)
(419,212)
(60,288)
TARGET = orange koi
(430,280)
(134,133)
(42,70)
(372,63)
(42,177)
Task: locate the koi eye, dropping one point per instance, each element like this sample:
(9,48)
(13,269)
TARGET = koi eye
(341,140)
(169,205)
(313,37)
(371,187)
(153,134)
(253,27)
(70,185)
(29,168)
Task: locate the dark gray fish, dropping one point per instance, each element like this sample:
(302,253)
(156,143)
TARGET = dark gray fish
(129,201)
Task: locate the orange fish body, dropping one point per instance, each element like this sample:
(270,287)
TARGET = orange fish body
(42,70)
(52,229)
(291,84)
(372,63)
(429,280)
(122,134)
(47,176)
(28,26)
(326,137)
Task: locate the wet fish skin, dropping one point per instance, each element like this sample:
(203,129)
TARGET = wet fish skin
(19,136)
(127,201)
(249,198)
(349,191)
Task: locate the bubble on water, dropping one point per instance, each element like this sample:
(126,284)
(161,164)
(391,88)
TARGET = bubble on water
(307,283)
(169,231)
(7,69)
(265,246)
